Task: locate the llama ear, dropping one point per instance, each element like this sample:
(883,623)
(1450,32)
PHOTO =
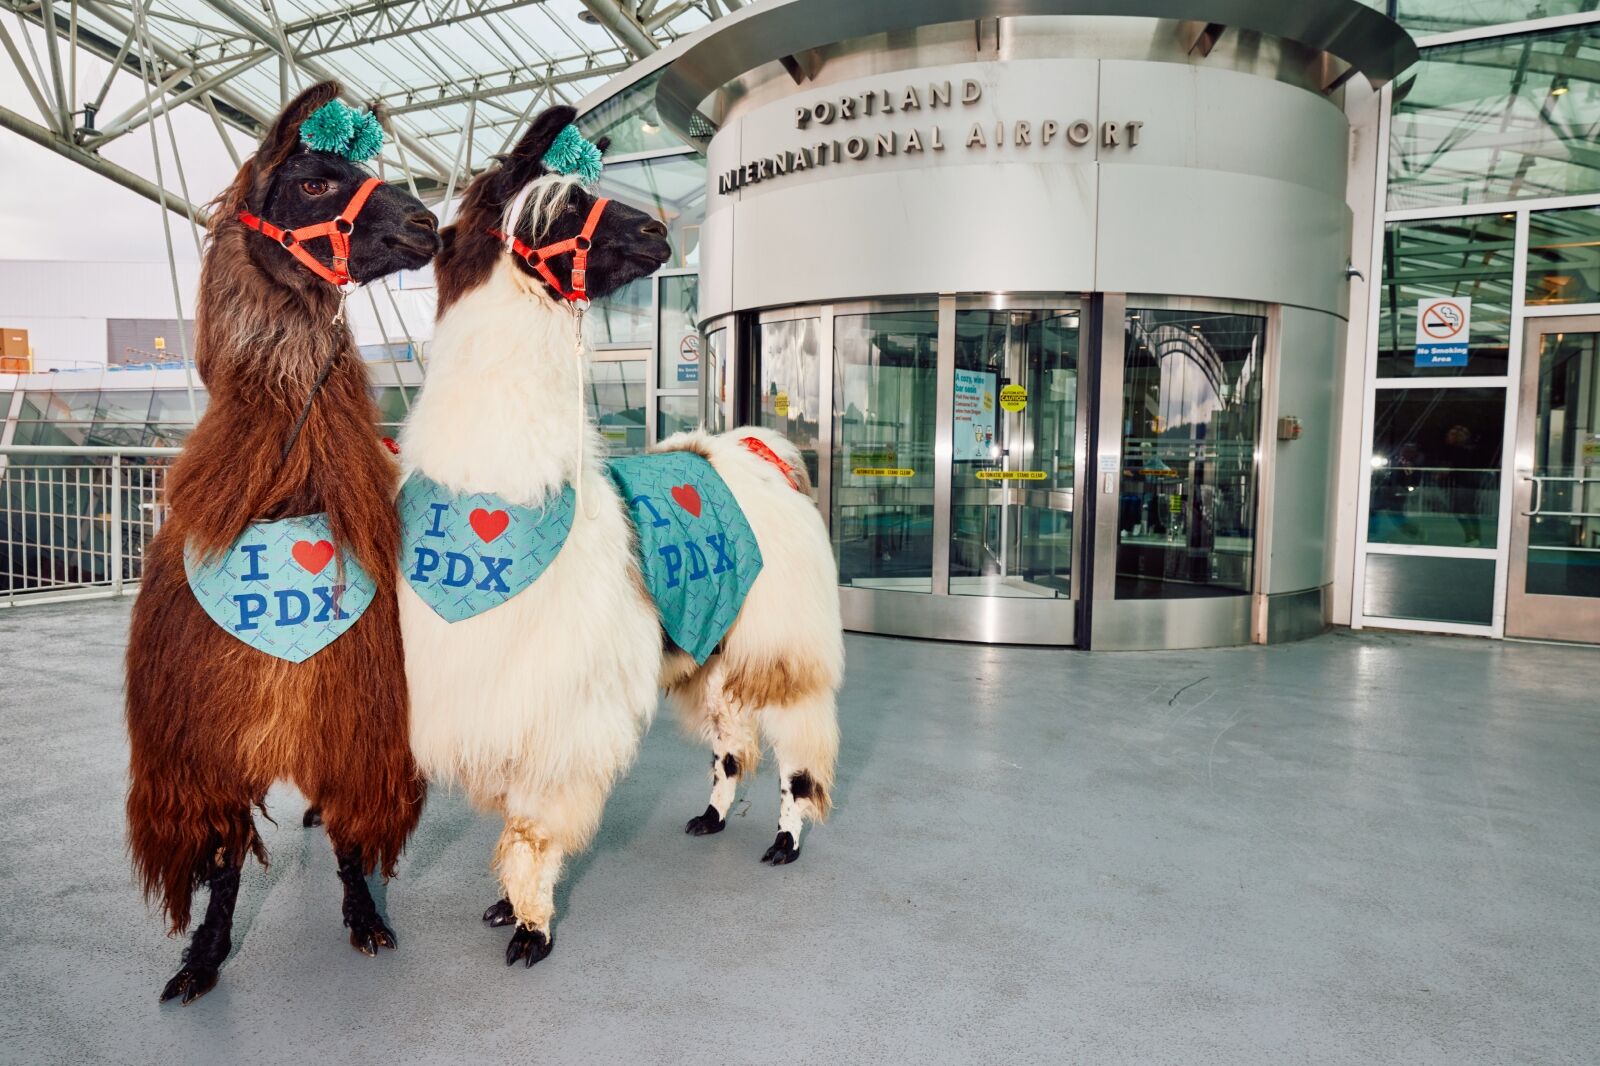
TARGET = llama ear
(283,139)
(602,144)
(526,161)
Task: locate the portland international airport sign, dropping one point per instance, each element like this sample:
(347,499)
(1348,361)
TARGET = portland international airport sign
(929,117)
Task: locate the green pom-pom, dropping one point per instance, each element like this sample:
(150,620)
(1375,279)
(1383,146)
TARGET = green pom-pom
(367,141)
(329,128)
(570,153)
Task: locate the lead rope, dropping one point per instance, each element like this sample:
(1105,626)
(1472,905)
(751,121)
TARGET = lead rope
(577,351)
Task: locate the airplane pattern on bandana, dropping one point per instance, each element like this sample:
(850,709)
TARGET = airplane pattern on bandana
(698,551)
(468,553)
(280,589)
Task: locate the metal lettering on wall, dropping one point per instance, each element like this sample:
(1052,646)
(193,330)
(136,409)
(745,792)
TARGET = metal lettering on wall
(1045,134)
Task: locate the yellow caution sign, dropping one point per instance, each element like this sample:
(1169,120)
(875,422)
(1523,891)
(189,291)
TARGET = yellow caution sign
(1014,398)
(780,405)
(882,471)
(161,344)
(1012,475)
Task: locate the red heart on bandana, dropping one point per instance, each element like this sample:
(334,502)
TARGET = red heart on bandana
(688,498)
(312,556)
(488,524)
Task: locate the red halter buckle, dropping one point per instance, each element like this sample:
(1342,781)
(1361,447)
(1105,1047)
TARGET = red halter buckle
(337,231)
(539,258)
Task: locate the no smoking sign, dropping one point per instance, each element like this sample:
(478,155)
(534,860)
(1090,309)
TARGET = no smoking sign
(1443,325)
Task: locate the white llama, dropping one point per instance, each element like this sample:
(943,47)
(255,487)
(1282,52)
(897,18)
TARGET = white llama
(536,705)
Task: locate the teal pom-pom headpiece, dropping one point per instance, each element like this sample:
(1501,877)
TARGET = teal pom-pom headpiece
(571,153)
(338,128)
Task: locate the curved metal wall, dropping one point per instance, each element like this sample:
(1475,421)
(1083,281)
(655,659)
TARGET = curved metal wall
(1235,189)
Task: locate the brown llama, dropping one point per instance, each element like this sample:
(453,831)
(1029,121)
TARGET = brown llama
(214,720)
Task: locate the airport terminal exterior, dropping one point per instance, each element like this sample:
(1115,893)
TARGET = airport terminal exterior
(1154,324)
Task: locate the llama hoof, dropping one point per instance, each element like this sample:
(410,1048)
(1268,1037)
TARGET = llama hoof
(783,850)
(313,817)
(529,945)
(190,983)
(499,914)
(368,933)
(705,824)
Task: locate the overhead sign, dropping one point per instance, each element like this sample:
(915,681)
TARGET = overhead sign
(1443,326)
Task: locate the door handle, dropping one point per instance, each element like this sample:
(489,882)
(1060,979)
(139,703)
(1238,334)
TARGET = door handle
(1538,494)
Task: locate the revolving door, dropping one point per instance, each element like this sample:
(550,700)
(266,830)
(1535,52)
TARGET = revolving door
(1057,470)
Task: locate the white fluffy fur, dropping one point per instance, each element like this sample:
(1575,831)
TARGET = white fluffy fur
(536,706)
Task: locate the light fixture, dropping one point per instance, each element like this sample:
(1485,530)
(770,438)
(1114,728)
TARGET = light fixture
(649,127)
(1558,90)
(588,16)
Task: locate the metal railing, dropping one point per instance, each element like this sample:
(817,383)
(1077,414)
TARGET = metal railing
(74,521)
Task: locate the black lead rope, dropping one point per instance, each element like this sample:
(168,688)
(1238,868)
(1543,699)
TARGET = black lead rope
(305,411)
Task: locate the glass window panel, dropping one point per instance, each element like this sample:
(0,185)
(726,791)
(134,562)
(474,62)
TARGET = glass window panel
(120,418)
(673,189)
(631,121)
(677,414)
(1423,18)
(718,409)
(616,403)
(1191,416)
(788,390)
(30,417)
(680,337)
(1564,257)
(1506,118)
(885,403)
(1564,537)
(1470,257)
(624,316)
(1012,473)
(1429,588)
(1436,467)
(392,409)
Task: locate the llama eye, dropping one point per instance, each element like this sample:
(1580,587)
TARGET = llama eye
(314,186)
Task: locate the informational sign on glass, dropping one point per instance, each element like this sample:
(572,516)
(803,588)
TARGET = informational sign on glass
(974,415)
(1443,325)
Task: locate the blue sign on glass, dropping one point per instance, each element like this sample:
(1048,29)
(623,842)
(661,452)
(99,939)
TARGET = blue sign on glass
(1441,355)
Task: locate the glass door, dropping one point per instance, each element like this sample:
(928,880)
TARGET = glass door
(1013,449)
(1553,591)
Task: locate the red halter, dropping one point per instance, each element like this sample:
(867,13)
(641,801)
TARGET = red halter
(759,448)
(337,231)
(539,258)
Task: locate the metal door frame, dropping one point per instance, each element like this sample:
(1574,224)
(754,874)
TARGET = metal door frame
(1531,615)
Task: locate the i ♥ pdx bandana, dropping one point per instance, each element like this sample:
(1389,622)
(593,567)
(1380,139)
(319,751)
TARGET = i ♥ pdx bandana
(698,552)
(280,589)
(467,553)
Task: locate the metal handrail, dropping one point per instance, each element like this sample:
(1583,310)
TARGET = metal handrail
(89,449)
(83,528)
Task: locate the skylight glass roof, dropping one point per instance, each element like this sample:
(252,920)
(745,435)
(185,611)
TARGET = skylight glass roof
(440,67)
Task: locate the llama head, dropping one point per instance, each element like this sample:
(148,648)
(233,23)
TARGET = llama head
(553,207)
(291,184)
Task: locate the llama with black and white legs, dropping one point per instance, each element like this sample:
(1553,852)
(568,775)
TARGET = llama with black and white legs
(773,680)
(541,581)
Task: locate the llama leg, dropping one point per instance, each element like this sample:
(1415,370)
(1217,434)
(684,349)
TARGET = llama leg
(805,739)
(529,864)
(212,939)
(735,753)
(368,931)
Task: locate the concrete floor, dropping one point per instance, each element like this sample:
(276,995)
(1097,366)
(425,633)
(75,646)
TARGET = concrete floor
(1363,848)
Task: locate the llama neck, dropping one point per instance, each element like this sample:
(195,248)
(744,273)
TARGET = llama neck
(500,410)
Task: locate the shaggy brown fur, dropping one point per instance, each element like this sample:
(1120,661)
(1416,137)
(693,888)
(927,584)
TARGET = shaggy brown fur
(212,722)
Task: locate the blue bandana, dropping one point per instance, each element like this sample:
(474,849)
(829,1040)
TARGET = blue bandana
(466,554)
(280,589)
(698,552)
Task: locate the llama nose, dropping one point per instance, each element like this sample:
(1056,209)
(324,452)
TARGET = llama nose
(424,220)
(654,228)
